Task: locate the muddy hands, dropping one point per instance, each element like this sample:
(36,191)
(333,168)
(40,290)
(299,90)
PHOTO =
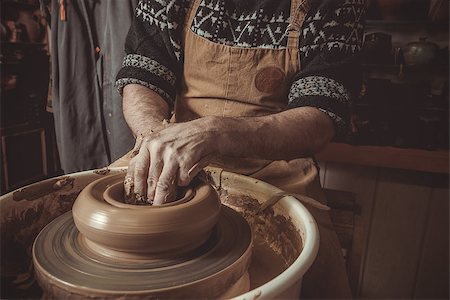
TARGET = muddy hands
(173,156)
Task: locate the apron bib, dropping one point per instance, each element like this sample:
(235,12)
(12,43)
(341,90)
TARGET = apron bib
(221,80)
(228,81)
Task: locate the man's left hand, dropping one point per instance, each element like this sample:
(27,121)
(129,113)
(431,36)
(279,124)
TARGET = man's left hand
(172,157)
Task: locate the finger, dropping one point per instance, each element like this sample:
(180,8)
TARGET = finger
(186,176)
(166,186)
(128,183)
(154,172)
(140,174)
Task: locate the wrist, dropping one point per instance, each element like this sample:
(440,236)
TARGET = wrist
(212,128)
(227,134)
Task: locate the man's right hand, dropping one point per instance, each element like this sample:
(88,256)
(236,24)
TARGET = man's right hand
(171,157)
(146,113)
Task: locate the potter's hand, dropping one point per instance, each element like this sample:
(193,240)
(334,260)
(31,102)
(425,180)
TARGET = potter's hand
(171,157)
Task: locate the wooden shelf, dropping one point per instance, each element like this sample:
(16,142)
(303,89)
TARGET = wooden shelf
(387,157)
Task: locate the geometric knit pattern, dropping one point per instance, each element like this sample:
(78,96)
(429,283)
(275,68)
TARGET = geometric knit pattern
(337,30)
(167,16)
(268,28)
(331,37)
(122,82)
(257,28)
(318,86)
(150,65)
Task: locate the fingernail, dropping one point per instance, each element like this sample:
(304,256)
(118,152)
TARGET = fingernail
(134,153)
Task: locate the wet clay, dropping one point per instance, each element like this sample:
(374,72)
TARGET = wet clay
(276,242)
(21,220)
(269,228)
(103,218)
(191,248)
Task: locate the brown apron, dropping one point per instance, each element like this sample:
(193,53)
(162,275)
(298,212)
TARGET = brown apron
(221,80)
(228,81)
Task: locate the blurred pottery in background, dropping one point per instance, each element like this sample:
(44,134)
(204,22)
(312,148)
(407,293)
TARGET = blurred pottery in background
(420,53)
(32,27)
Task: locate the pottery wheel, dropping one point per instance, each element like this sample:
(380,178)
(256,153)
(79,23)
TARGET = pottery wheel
(67,263)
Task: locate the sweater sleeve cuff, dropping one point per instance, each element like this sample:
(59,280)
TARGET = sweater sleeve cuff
(139,69)
(326,94)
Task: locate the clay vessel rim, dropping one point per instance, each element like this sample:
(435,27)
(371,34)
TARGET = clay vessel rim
(110,180)
(91,211)
(107,196)
(93,214)
(202,189)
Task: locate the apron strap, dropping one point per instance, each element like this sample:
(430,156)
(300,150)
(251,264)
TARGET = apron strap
(190,14)
(299,9)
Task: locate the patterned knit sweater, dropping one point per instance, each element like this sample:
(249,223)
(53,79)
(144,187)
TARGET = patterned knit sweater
(329,45)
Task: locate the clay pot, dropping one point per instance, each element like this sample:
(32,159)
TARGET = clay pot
(110,225)
(420,53)
(33,28)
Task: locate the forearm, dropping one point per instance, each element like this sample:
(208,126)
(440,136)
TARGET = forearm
(294,133)
(143,109)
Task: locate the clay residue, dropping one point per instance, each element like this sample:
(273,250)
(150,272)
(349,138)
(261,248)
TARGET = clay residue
(277,230)
(19,225)
(42,189)
(102,171)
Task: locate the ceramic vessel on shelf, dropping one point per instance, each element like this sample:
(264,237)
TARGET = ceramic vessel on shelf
(420,53)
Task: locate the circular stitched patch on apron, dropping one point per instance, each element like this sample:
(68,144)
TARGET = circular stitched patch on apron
(269,79)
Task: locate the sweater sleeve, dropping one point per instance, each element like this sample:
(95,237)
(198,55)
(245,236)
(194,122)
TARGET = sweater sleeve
(153,49)
(330,76)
